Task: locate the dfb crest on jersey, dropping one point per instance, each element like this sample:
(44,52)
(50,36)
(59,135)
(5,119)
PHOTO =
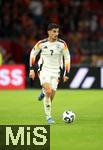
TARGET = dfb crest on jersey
(58,46)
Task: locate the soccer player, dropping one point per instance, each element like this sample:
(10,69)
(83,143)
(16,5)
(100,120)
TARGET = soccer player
(52,50)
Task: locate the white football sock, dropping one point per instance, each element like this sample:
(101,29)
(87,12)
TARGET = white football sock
(47,107)
(43,91)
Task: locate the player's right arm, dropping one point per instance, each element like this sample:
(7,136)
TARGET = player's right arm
(35,50)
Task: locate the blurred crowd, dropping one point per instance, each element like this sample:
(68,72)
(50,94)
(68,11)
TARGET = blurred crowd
(81,23)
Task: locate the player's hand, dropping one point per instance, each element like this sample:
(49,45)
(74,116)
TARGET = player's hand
(65,78)
(32,74)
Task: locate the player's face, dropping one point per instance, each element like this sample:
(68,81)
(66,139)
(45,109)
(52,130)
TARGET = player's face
(53,34)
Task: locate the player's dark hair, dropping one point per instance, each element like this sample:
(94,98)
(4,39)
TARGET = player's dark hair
(52,26)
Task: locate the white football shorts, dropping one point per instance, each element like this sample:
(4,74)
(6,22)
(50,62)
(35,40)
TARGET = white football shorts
(49,77)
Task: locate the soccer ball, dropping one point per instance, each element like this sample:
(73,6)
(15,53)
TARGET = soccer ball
(68,116)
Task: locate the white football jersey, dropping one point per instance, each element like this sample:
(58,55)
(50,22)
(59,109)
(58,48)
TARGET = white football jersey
(52,54)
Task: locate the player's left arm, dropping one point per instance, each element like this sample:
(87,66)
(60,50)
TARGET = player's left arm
(66,61)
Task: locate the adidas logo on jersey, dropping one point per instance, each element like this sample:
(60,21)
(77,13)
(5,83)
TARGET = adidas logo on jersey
(45,47)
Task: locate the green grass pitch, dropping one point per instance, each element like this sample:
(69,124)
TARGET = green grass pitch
(85,133)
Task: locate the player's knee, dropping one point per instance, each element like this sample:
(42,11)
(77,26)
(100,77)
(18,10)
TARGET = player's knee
(48,92)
